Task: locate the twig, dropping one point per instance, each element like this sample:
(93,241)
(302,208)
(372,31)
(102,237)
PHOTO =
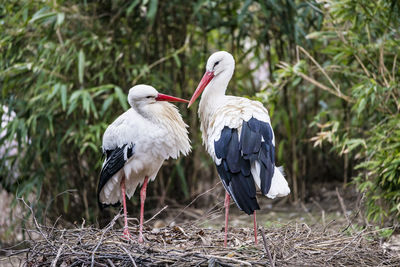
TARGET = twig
(161,60)
(309,213)
(155,215)
(328,225)
(130,257)
(344,210)
(322,212)
(59,36)
(110,262)
(266,247)
(348,244)
(382,67)
(68,191)
(299,48)
(336,92)
(309,229)
(54,225)
(54,263)
(229,259)
(394,67)
(35,221)
(194,200)
(111,224)
(324,87)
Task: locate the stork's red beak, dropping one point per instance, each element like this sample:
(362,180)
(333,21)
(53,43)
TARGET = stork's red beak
(207,77)
(162,97)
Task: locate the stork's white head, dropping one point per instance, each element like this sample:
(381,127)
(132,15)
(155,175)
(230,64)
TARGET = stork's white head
(142,95)
(219,62)
(219,68)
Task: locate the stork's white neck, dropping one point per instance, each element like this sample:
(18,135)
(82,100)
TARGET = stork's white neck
(214,96)
(157,112)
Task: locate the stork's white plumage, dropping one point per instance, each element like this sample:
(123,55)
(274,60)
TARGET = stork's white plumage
(137,143)
(238,135)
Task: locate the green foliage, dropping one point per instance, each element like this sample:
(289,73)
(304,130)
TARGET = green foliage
(355,59)
(62,70)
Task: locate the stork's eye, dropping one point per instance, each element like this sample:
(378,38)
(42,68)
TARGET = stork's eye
(149,96)
(216,63)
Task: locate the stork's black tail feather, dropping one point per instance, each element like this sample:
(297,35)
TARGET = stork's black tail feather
(115,161)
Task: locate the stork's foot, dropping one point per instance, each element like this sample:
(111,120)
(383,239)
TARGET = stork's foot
(140,238)
(126,233)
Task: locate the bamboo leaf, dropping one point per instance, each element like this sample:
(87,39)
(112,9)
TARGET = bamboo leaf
(106,104)
(121,97)
(244,11)
(177,60)
(132,6)
(42,15)
(64,96)
(60,18)
(81,65)
(55,90)
(152,10)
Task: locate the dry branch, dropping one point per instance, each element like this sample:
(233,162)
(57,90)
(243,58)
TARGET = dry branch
(266,247)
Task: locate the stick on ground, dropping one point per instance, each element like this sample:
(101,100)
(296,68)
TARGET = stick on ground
(266,247)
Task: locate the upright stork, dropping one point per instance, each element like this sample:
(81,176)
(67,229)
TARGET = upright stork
(238,136)
(136,144)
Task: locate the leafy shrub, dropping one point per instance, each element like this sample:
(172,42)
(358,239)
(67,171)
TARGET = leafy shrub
(63,74)
(356,59)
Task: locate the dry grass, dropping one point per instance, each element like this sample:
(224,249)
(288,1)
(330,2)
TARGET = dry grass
(188,245)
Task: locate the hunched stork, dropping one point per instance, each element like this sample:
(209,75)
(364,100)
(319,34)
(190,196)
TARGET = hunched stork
(238,136)
(136,144)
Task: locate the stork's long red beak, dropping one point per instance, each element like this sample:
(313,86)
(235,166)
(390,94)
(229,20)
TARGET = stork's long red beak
(162,97)
(207,77)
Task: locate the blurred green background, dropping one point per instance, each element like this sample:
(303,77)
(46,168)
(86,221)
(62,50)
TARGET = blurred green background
(328,72)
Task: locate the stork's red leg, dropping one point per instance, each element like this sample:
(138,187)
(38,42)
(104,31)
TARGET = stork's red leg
(142,199)
(126,230)
(255,229)
(227,199)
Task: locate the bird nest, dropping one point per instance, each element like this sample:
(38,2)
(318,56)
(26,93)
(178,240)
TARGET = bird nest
(187,245)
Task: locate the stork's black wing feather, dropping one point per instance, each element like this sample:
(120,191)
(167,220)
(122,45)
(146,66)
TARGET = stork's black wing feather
(236,158)
(235,172)
(115,161)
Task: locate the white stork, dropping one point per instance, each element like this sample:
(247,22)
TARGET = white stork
(238,136)
(136,144)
